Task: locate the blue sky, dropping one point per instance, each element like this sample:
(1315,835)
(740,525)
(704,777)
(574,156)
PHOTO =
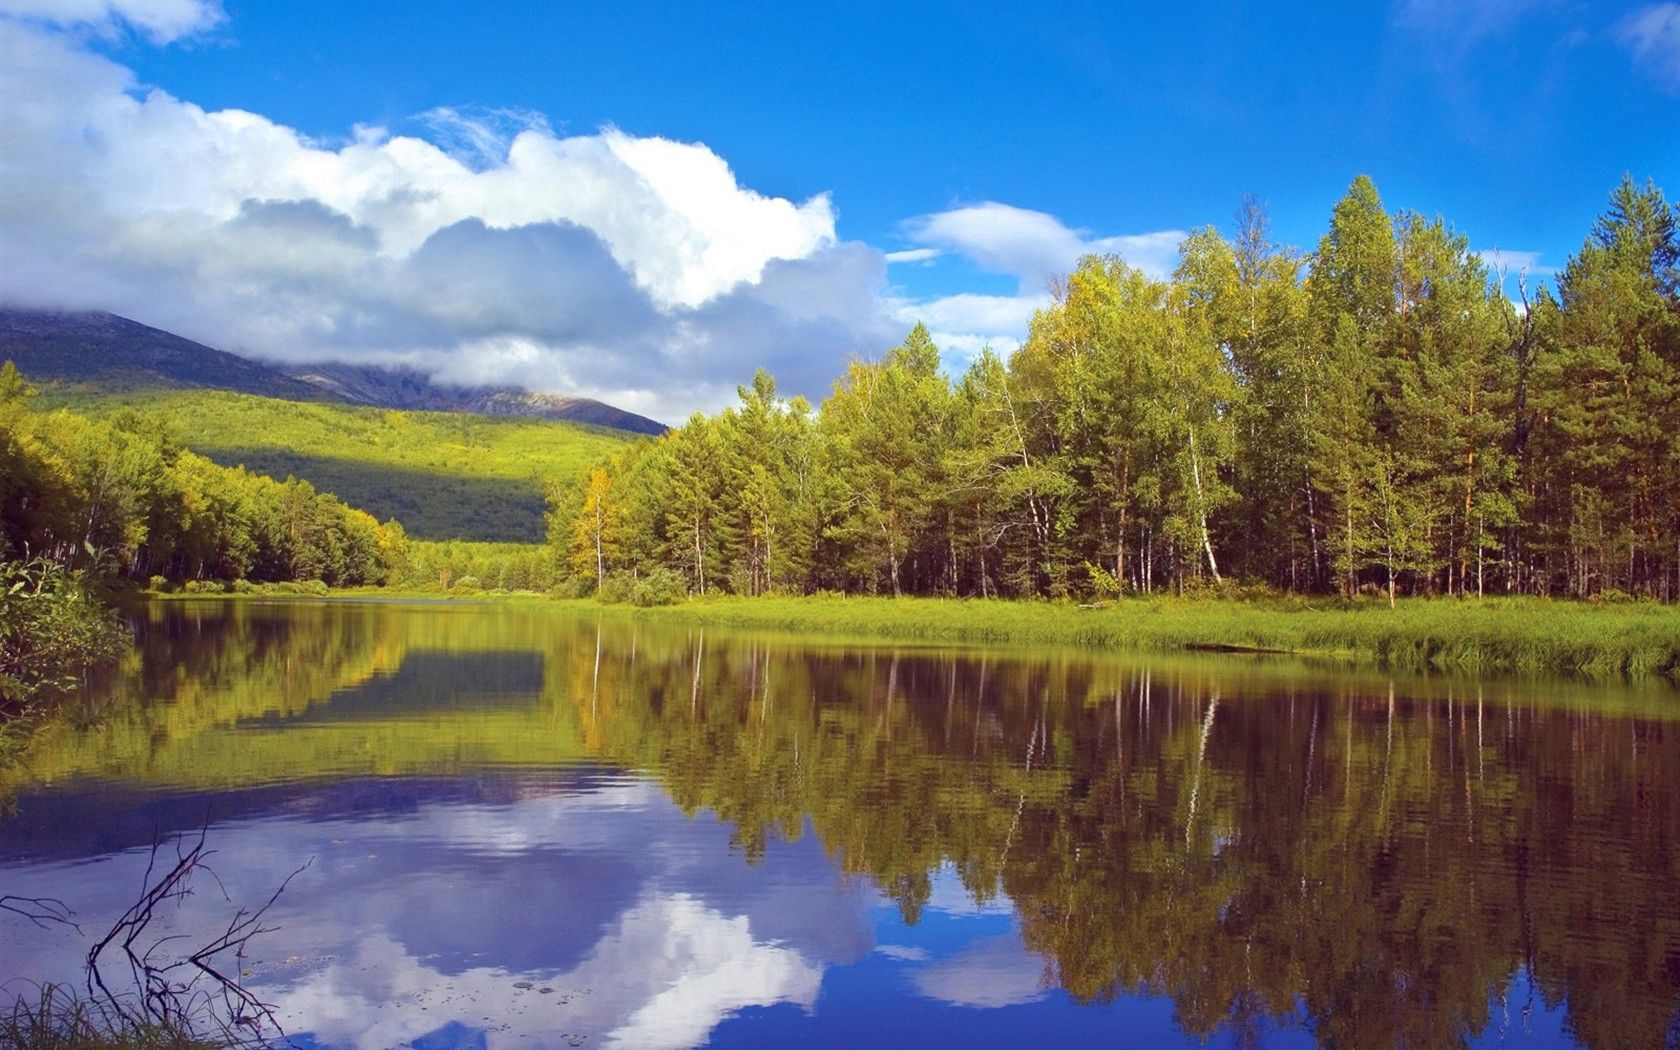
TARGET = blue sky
(1096,125)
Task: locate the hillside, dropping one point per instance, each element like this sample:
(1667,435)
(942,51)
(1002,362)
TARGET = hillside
(104,353)
(443,475)
(410,388)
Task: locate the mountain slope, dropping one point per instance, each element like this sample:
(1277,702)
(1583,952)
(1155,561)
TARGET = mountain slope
(413,389)
(105,353)
(444,475)
(98,351)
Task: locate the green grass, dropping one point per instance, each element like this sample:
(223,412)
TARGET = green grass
(1490,636)
(1493,635)
(444,475)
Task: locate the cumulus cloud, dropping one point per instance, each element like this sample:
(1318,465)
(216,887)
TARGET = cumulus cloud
(478,245)
(631,268)
(162,21)
(1652,36)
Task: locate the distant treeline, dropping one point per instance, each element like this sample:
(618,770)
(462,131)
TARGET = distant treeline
(1376,415)
(122,497)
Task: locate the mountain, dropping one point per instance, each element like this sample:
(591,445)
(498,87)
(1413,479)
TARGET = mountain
(410,388)
(104,353)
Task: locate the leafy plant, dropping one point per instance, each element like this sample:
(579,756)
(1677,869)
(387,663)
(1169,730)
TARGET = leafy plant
(51,628)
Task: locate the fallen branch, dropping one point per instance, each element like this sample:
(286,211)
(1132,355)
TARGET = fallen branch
(185,989)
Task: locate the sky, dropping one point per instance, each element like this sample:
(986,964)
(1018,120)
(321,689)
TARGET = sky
(645,201)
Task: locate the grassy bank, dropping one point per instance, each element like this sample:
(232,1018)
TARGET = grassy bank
(1494,635)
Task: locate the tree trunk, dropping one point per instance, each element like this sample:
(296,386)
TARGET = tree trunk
(1201,506)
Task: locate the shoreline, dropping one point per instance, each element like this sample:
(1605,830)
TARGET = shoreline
(1491,635)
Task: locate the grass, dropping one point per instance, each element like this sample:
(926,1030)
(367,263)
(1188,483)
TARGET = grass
(55,1019)
(444,475)
(1488,636)
(1493,635)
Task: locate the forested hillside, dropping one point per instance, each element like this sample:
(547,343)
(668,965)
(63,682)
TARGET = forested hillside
(122,497)
(1381,414)
(444,475)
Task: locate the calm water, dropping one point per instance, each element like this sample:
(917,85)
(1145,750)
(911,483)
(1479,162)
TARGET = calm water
(527,830)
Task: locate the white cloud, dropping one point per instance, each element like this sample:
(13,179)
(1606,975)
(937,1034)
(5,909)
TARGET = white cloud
(162,21)
(1514,263)
(483,247)
(667,972)
(968,312)
(1033,246)
(1652,36)
(991,972)
(914,255)
(608,265)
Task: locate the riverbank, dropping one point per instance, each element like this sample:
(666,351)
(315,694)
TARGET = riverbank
(1493,635)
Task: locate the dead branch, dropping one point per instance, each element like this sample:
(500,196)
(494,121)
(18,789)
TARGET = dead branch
(42,911)
(187,987)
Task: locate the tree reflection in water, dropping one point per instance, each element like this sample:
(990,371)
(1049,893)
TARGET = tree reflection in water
(1259,841)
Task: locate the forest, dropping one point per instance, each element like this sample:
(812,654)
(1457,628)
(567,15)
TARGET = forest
(121,497)
(1382,415)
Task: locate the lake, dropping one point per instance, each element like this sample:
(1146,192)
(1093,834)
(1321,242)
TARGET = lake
(527,828)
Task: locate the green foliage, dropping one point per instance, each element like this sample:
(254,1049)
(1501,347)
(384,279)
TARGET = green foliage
(120,497)
(51,629)
(659,586)
(1371,418)
(1493,635)
(444,475)
(496,566)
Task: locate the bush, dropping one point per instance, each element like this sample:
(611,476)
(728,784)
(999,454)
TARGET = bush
(572,588)
(51,627)
(467,585)
(659,586)
(159,584)
(616,588)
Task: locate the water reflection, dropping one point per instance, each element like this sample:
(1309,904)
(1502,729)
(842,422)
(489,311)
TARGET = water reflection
(686,837)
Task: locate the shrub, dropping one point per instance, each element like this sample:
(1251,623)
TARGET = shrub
(659,586)
(468,585)
(572,588)
(51,627)
(616,588)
